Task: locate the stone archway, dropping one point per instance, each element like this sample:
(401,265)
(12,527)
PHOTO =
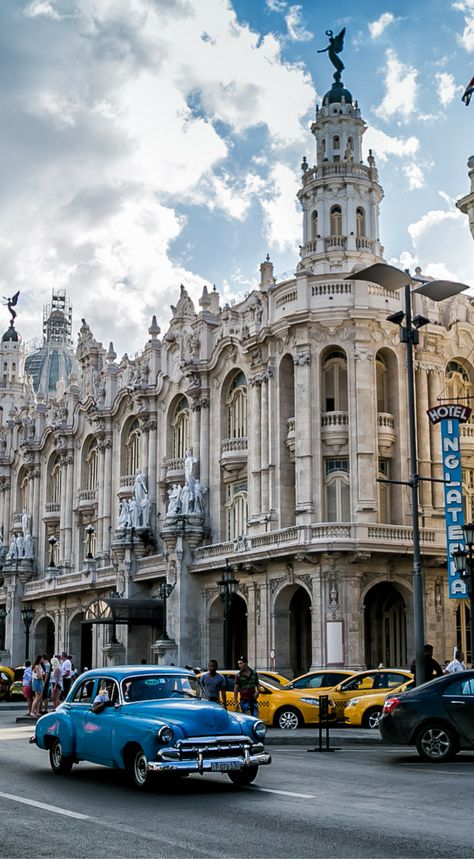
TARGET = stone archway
(385,627)
(238,631)
(292,630)
(44,637)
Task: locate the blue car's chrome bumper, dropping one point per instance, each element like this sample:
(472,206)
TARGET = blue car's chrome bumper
(210,754)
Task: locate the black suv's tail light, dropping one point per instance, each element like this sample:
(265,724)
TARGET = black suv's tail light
(390,705)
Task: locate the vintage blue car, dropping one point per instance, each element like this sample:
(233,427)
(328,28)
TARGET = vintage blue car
(150,719)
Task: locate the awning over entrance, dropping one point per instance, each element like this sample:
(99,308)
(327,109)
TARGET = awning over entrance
(131,611)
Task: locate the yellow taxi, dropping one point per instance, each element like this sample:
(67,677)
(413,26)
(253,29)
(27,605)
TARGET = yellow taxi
(321,680)
(274,677)
(364,683)
(281,707)
(7,676)
(365,710)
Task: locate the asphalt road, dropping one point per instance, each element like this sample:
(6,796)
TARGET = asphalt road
(361,801)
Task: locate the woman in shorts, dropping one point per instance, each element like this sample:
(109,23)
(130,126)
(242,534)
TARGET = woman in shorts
(37,686)
(26,686)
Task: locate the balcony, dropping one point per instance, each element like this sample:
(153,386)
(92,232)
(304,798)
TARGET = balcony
(335,242)
(363,243)
(87,499)
(335,427)
(52,511)
(386,434)
(466,435)
(234,454)
(174,469)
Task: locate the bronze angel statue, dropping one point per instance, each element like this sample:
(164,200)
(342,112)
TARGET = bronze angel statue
(11,303)
(336,44)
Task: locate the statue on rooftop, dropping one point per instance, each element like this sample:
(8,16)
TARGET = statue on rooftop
(336,45)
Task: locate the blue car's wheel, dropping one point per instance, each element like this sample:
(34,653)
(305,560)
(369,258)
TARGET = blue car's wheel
(60,763)
(243,777)
(137,769)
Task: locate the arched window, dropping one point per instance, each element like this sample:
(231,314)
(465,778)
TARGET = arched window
(360,222)
(314,225)
(180,428)
(382,386)
(335,221)
(337,490)
(458,385)
(237,510)
(335,382)
(336,141)
(54,484)
(236,407)
(91,460)
(132,447)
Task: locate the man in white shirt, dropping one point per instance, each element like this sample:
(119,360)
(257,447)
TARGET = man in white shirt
(457,664)
(66,669)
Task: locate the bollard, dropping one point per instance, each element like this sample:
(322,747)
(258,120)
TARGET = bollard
(323,723)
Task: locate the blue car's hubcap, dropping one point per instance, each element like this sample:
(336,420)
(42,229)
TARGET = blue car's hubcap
(140,768)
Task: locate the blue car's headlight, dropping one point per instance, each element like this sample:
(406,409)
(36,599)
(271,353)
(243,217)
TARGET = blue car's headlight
(259,730)
(165,734)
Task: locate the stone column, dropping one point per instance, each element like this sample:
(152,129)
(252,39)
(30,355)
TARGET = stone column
(264,460)
(68,473)
(363,441)
(107,494)
(204,441)
(423,436)
(62,512)
(254,451)
(303,434)
(152,462)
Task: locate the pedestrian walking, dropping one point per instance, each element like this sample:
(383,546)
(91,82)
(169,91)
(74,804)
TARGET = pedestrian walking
(457,664)
(66,667)
(432,668)
(246,688)
(26,686)
(213,684)
(37,686)
(56,682)
(46,680)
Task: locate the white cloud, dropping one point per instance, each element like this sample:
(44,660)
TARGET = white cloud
(446,87)
(414,175)
(282,214)
(383,145)
(400,95)
(42,8)
(295,25)
(376,28)
(110,128)
(444,231)
(467,37)
(276,5)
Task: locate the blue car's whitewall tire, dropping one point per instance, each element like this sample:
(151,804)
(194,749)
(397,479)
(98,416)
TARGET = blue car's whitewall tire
(137,769)
(60,763)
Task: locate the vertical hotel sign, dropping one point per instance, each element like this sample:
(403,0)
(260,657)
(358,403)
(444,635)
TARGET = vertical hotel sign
(450,416)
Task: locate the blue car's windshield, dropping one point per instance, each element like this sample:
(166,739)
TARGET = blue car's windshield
(155,687)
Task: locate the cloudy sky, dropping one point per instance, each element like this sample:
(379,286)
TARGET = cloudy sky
(148,143)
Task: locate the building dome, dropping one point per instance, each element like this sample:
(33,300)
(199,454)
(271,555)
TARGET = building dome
(11,335)
(337,93)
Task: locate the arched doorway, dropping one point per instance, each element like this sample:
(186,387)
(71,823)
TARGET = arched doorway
(44,637)
(292,631)
(385,627)
(237,630)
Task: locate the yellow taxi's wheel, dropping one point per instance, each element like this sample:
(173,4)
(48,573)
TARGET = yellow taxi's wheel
(371,717)
(288,719)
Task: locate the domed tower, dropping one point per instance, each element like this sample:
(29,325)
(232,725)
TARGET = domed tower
(55,359)
(340,195)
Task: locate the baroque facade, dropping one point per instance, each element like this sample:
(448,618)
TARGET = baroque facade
(245,443)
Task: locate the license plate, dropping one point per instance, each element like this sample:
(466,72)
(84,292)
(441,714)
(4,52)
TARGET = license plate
(223,767)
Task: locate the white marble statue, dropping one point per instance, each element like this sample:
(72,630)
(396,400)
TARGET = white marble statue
(186,500)
(145,511)
(124,514)
(20,546)
(134,513)
(200,490)
(174,504)
(28,545)
(13,551)
(24,522)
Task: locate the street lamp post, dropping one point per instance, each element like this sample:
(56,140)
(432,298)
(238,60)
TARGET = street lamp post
(227,589)
(27,615)
(52,542)
(90,530)
(464,565)
(3,614)
(394,279)
(164,592)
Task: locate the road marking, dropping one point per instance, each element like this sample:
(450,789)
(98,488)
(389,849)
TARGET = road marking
(20,733)
(53,808)
(282,792)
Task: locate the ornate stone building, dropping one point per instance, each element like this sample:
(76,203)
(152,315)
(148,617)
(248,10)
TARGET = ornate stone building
(245,443)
